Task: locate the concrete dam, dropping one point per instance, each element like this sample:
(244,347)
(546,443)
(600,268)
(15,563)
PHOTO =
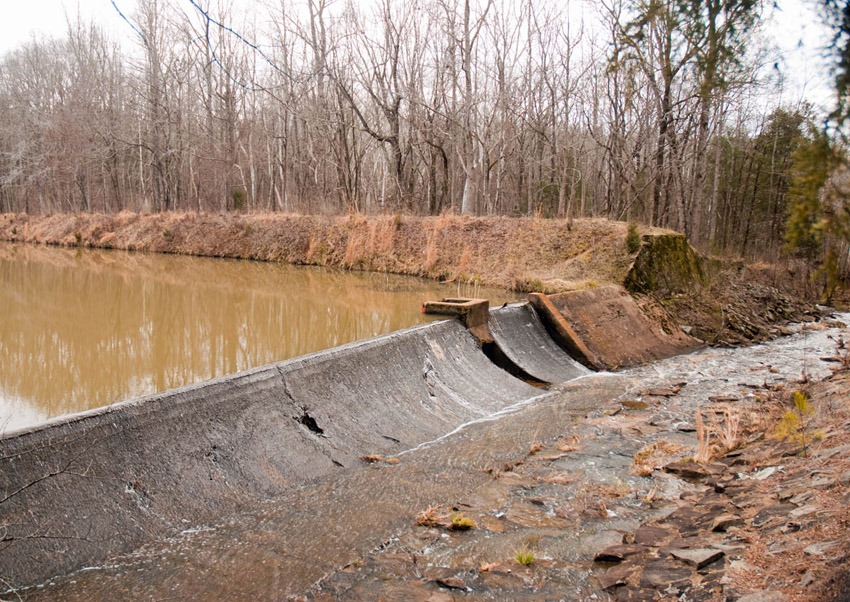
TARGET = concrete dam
(80,489)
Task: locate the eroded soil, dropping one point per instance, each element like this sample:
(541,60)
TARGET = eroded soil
(737,304)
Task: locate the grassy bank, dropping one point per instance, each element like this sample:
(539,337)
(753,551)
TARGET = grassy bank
(514,253)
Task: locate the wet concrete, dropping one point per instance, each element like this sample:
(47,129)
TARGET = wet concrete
(305,536)
(521,336)
(553,472)
(139,471)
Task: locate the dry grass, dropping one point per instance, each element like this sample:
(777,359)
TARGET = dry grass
(569,444)
(524,556)
(651,456)
(719,431)
(429,517)
(561,478)
(494,251)
(433,517)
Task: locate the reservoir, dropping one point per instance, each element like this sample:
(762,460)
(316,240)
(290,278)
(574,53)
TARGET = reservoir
(81,329)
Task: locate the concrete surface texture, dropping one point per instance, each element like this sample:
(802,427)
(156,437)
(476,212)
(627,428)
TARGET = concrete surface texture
(106,481)
(606,328)
(521,336)
(555,472)
(80,489)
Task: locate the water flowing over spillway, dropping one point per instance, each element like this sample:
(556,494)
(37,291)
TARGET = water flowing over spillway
(253,486)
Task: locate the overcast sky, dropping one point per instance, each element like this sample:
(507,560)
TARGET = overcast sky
(796,28)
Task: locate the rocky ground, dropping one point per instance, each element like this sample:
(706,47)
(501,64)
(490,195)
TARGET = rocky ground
(675,493)
(735,309)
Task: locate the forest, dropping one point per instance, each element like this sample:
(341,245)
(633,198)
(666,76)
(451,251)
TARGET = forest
(662,112)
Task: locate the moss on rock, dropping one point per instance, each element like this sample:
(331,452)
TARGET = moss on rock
(666,265)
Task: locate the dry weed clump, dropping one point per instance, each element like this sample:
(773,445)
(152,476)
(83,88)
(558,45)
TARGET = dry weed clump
(459,522)
(372,458)
(432,254)
(720,433)
(432,517)
(357,244)
(428,517)
(650,457)
(569,444)
(463,263)
(561,478)
(535,447)
(592,499)
(524,556)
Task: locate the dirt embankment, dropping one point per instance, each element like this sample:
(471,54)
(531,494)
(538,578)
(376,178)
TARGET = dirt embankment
(715,302)
(519,254)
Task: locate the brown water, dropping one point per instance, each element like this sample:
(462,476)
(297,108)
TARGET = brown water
(82,329)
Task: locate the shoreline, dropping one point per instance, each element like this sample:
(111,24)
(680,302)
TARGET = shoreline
(519,254)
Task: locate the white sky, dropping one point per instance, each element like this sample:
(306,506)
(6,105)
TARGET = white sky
(796,28)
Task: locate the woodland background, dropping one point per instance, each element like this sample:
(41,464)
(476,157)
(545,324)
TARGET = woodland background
(663,112)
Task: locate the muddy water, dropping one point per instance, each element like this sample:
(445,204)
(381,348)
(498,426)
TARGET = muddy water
(83,329)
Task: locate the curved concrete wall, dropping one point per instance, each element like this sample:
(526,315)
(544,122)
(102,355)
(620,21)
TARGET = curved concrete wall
(521,336)
(78,489)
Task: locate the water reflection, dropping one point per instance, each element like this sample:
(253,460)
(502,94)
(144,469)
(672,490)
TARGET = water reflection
(82,329)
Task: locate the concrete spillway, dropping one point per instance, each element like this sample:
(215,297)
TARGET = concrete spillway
(78,489)
(522,338)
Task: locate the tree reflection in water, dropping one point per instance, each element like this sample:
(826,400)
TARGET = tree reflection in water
(82,329)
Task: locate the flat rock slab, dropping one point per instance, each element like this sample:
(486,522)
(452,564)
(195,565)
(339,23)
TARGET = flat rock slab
(619,553)
(661,573)
(648,535)
(820,549)
(693,470)
(619,575)
(663,391)
(699,557)
(764,596)
(724,521)
(777,512)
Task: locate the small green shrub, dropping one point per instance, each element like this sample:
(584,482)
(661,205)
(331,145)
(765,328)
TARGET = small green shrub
(524,556)
(78,237)
(459,522)
(795,424)
(239,196)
